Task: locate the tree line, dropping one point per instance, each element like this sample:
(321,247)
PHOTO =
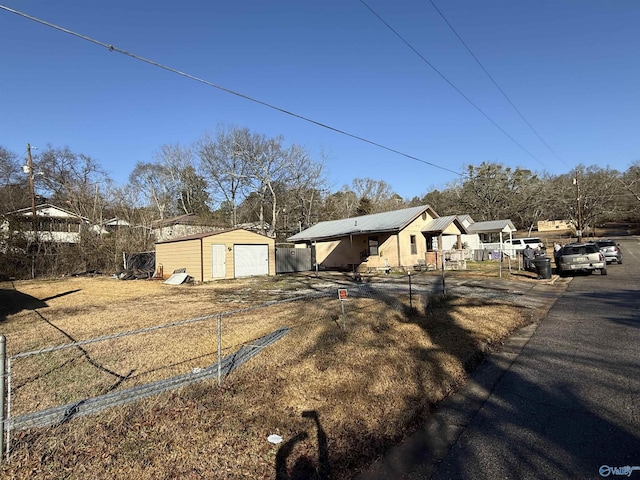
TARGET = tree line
(235,177)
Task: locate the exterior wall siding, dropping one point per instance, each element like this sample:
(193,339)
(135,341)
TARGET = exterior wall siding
(173,256)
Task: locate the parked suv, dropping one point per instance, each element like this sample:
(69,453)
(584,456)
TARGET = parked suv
(521,243)
(611,250)
(584,257)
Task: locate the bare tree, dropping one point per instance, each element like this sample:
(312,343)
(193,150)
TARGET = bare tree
(261,172)
(153,181)
(301,195)
(598,194)
(224,162)
(9,167)
(73,180)
(630,182)
(177,169)
(14,190)
(269,164)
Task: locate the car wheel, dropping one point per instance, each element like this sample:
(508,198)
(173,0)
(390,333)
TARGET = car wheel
(620,262)
(603,271)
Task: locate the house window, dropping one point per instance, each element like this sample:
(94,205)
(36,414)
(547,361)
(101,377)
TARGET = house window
(414,247)
(373,246)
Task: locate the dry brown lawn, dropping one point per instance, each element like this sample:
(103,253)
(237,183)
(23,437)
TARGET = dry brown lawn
(338,398)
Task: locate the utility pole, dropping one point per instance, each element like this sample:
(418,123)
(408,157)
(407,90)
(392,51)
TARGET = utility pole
(34,224)
(578,208)
(31,186)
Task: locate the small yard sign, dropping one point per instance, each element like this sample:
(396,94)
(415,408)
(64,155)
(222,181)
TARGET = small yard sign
(342,293)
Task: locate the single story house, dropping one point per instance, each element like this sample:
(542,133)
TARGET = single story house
(180,226)
(217,255)
(555,226)
(481,235)
(396,239)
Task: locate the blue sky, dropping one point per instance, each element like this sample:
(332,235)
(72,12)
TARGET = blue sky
(570,66)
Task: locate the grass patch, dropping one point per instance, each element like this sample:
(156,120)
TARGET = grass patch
(338,397)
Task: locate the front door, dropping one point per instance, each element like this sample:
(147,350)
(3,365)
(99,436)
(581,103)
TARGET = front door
(218,261)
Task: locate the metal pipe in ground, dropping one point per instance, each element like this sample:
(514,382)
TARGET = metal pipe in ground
(219,350)
(3,357)
(7,446)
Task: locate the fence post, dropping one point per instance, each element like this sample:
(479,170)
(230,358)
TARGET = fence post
(444,287)
(219,349)
(410,295)
(3,357)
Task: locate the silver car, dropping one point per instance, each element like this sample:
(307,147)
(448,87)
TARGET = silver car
(581,257)
(611,250)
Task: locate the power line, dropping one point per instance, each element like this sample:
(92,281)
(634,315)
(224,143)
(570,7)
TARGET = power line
(111,48)
(451,84)
(495,83)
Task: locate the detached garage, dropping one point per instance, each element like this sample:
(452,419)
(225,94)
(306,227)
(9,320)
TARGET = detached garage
(216,255)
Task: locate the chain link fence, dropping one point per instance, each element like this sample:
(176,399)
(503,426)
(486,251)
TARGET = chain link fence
(52,385)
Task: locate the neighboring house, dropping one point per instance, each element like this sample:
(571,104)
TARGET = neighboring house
(555,225)
(492,235)
(217,255)
(464,240)
(180,226)
(115,224)
(481,235)
(256,227)
(396,239)
(53,224)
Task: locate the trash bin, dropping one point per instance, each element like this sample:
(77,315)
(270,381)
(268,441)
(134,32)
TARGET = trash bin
(543,267)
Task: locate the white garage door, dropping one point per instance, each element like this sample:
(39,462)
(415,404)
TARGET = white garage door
(251,260)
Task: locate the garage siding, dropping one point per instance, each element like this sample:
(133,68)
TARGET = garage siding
(176,255)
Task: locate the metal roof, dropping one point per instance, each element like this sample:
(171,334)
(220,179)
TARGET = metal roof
(198,236)
(48,210)
(378,222)
(492,226)
(440,224)
(465,219)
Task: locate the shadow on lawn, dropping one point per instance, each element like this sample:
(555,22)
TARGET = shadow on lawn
(13,301)
(305,468)
(83,352)
(447,338)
